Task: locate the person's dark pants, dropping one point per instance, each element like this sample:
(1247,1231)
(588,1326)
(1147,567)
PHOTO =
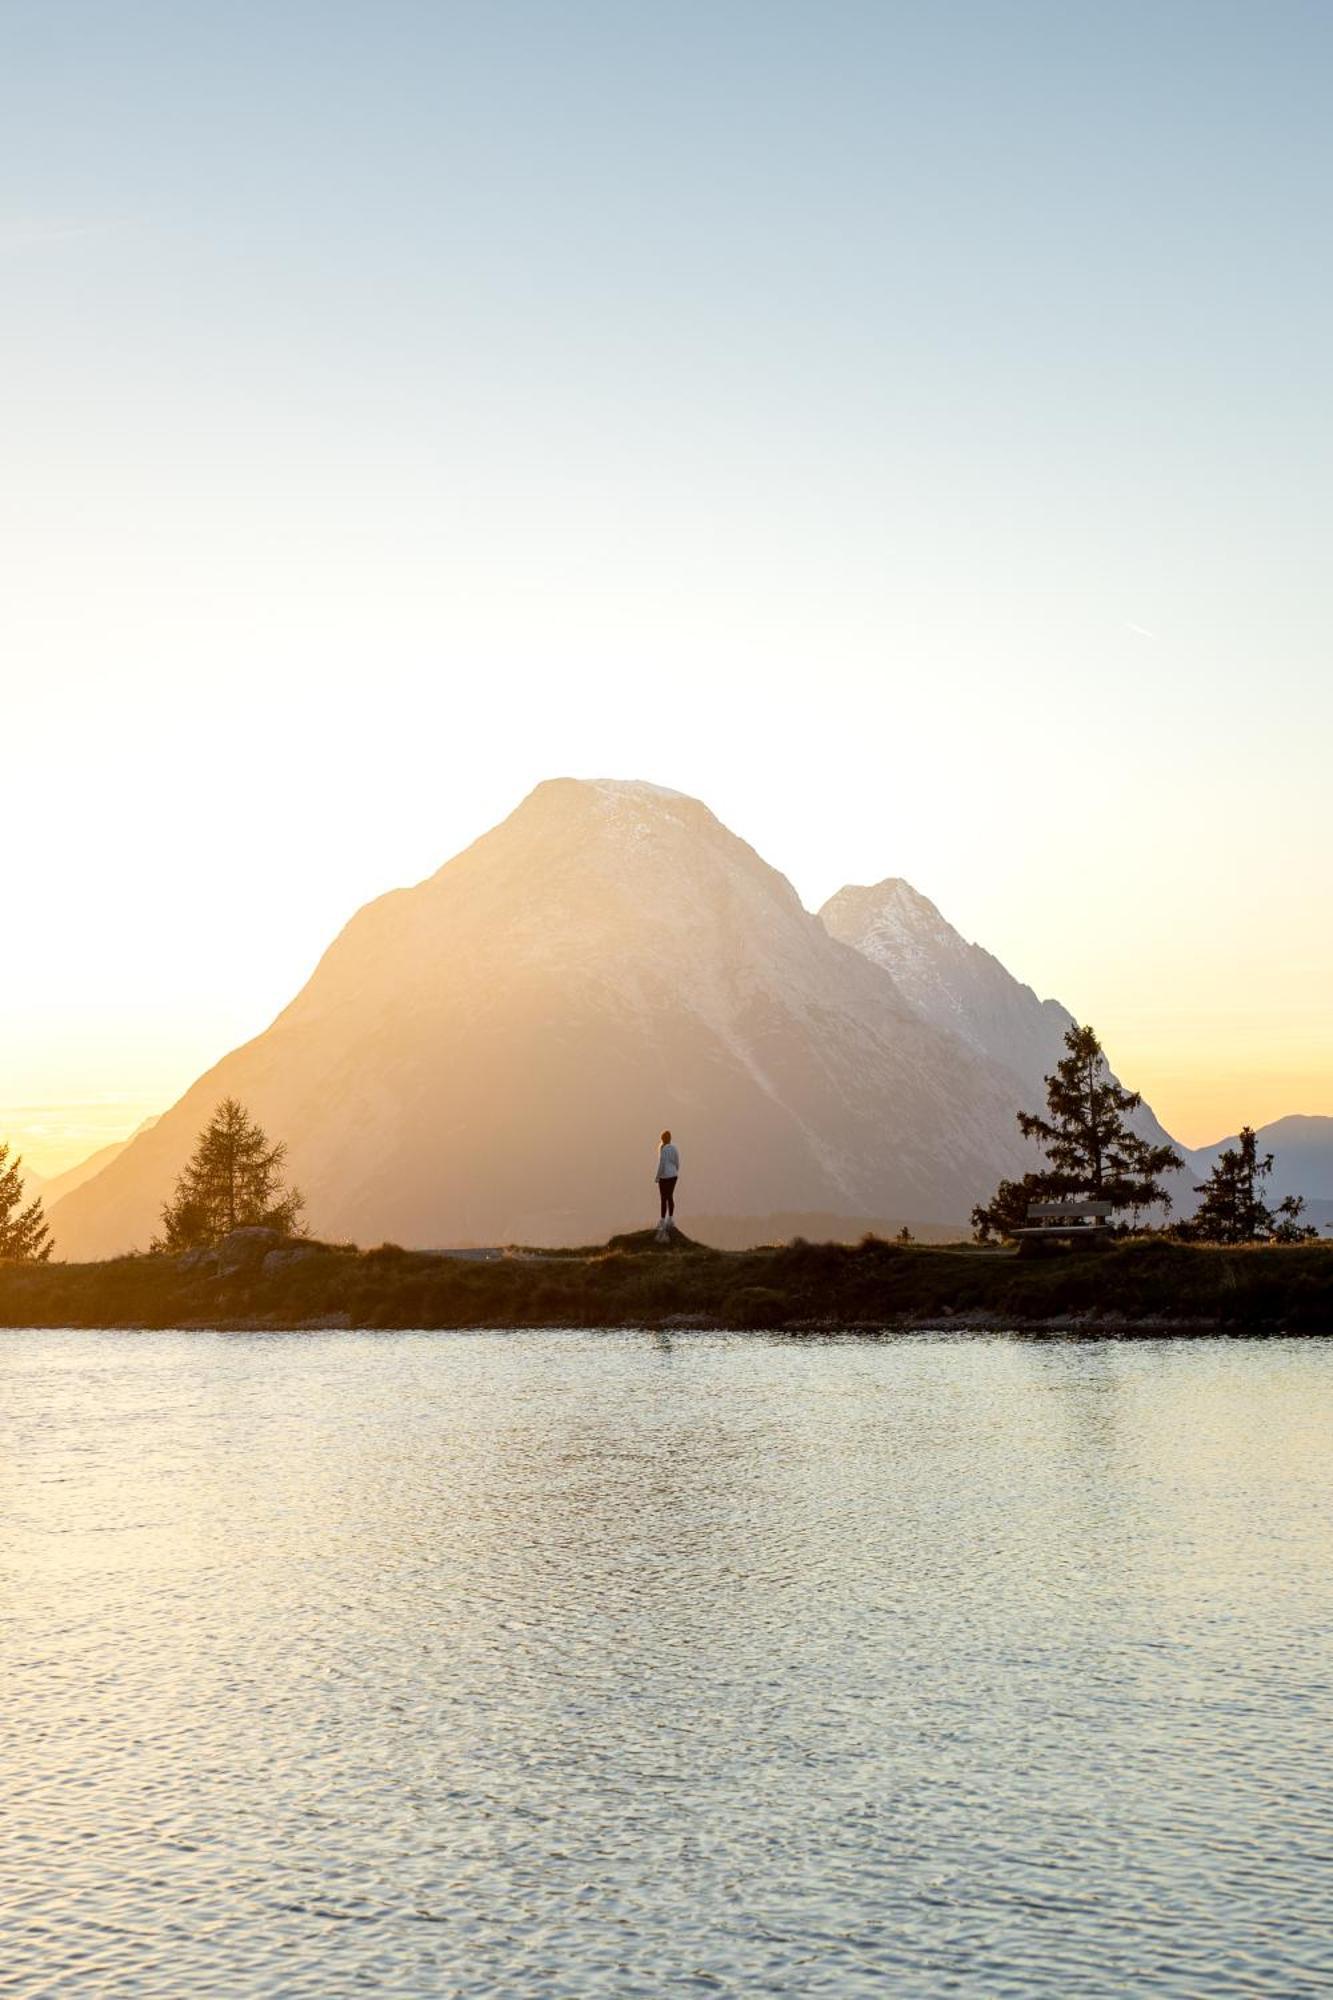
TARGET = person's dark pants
(667,1190)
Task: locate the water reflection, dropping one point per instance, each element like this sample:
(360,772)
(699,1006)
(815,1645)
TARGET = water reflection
(574,1664)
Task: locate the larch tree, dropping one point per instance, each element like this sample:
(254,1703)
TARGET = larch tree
(1233,1209)
(233,1181)
(24,1237)
(1092,1152)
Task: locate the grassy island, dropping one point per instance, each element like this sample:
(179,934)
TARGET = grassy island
(261,1282)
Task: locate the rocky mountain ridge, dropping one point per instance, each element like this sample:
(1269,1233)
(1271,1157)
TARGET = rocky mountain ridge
(488,1056)
(964,989)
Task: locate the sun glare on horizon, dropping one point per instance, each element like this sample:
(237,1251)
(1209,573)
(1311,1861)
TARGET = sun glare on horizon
(806,417)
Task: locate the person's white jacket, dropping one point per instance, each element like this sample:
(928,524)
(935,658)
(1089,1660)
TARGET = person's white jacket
(668,1164)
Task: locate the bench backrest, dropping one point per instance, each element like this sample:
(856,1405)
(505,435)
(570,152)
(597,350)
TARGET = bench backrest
(1067,1211)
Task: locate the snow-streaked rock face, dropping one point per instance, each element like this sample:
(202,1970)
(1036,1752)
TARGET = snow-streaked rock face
(949,982)
(964,989)
(490,1056)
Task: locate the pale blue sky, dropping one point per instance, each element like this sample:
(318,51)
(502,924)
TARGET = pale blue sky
(906,427)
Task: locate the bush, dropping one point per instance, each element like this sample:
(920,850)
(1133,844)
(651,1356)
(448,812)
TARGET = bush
(757,1306)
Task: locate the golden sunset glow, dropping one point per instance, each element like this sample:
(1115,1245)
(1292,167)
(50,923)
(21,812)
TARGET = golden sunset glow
(348,493)
(666,1069)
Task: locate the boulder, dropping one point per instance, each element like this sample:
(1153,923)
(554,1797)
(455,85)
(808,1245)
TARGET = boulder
(289,1253)
(245,1248)
(197,1260)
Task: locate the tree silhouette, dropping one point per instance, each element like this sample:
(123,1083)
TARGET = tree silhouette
(1233,1209)
(233,1181)
(24,1237)
(1091,1150)
(1287,1224)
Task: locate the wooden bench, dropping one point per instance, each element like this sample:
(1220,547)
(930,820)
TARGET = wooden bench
(1075,1225)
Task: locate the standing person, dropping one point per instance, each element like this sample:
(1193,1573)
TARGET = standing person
(668,1172)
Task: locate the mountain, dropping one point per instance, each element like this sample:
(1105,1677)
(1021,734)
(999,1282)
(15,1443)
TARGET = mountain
(950,983)
(60,1185)
(489,1056)
(961,988)
(1302,1150)
(743,1232)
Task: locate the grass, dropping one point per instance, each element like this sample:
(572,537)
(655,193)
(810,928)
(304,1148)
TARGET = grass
(1138,1285)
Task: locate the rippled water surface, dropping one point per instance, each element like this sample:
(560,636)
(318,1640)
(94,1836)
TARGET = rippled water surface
(570,1665)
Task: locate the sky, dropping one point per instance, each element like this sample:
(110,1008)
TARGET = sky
(905,427)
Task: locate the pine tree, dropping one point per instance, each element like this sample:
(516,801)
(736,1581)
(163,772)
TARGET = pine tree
(1091,1151)
(1007,1209)
(1288,1227)
(1233,1209)
(24,1238)
(233,1181)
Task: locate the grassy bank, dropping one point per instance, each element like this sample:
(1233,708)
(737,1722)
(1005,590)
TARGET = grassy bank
(1135,1286)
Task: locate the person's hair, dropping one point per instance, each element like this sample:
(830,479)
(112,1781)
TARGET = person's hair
(666,1138)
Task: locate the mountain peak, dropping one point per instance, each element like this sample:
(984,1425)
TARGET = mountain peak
(893,889)
(488,1056)
(640,851)
(611,798)
(608,791)
(623,812)
(958,986)
(890,909)
(949,982)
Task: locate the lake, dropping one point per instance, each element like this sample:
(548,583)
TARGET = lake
(616,1664)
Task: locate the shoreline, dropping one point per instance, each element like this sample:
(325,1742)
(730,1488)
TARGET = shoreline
(257,1282)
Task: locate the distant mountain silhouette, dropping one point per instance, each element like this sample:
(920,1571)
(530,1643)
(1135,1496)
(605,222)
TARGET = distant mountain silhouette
(743,1232)
(489,1056)
(1302,1149)
(59,1185)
